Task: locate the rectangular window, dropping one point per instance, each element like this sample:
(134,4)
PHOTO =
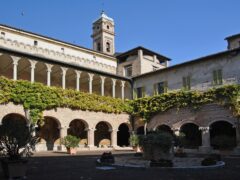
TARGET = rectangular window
(128,71)
(217,77)
(186,83)
(35,43)
(139,92)
(161,87)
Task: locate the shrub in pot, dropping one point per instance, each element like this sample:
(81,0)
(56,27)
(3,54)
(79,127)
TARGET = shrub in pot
(16,144)
(71,143)
(157,146)
(208,161)
(134,142)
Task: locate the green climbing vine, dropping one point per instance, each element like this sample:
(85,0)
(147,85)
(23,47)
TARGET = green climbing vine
(36,97)
(228,96)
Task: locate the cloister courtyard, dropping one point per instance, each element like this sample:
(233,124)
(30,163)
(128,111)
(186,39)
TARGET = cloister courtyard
(60,165)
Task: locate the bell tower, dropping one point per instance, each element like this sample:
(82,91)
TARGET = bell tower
(103,35)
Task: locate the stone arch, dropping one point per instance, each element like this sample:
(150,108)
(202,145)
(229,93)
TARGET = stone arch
(102,134)
(123,135)
(14,117)
(50,131)
(71,79)
(6,66)
(192,135)
(164,128)
(24,69)
(84,82)
(56,76)
(78,128)
(96,84)
(41,72)
(222,135)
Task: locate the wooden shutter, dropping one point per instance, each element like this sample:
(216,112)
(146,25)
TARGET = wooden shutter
(219,74)
(165,86)
(134,93)
(143,92)
(214,77)
(155,90)
(188,82)
(184,83)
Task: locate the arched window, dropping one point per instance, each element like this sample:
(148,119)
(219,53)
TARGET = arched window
(98,46)
(108,47)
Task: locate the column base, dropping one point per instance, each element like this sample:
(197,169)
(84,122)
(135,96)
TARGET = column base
(236,151)
(205,149)
(91,147)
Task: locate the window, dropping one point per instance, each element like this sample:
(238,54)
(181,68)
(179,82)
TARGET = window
(186,83)
(217,77)
(139,92)
(108,27)
(108,47)
(128,71)
(2,34)
(160,88)
(98,46)
(35,43)
(62,49)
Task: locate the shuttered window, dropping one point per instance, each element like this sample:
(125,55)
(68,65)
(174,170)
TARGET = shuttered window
(186,83)
(160,88)
(217,77)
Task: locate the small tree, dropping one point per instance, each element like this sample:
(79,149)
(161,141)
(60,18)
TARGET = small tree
(70,141)
(134,140)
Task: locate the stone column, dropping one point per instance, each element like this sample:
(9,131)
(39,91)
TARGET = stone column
(91,138)
(114,138)
(33,65)
(102,85)
(15,65)
(206,147)
(237,149)
(49,70)
(113,88)
(140,54)
(78,75)
(64,71)
(123,88)
(176,131)
(90,82)
(63,133)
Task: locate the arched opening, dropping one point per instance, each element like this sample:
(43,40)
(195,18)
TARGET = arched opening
(108,47)
(70,79)
(140,130)
(222,135)
(78,128)
(41,73)
(56,76)
(190,136)
(84,82)
(123,135)
(102,135)
(50,132)
(164,128)
(24,69)
(15,126)
(96,85)
(6,66)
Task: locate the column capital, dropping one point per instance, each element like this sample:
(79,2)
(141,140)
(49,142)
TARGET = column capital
(113,130)
(114,82)
(15,60)
(64,70)
(33,63)
(123,83)
(90,75)
(49,67)
(204,129)
(102,78)
(78,73)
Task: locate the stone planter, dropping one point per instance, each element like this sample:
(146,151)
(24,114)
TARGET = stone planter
(72,151)
(14,168)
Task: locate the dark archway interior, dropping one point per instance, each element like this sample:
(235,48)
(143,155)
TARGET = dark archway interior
(123,135)
(222,135)
(192,136)
(164,128)
(102,135)
(78,128)
(140,130)
(15,125)
(50,131)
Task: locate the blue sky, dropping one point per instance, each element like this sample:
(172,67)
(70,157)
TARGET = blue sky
(182,30)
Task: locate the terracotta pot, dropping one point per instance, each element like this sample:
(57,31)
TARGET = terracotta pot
(72,151)
(13,169)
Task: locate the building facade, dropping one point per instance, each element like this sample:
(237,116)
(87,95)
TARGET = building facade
(136,73)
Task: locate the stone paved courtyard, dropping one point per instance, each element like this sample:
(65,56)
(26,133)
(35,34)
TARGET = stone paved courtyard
(60,166)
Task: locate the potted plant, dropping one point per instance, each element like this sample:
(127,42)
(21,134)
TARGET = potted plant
(134,142)
(16,144)
(71,143)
